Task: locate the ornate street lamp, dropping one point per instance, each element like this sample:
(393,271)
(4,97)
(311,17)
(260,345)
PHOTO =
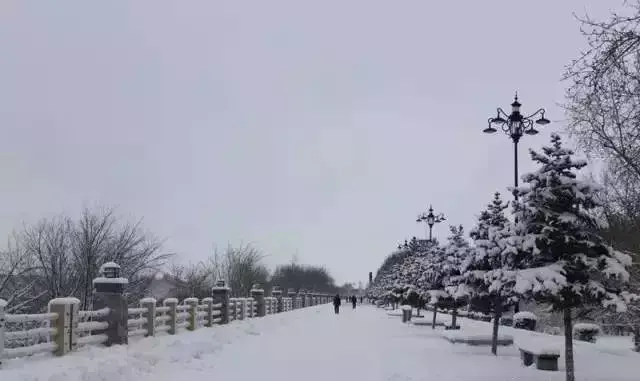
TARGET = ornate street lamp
(431,219)
(515,125)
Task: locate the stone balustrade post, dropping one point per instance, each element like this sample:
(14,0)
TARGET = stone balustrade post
(276,292)
(236,309)
(302,294)
(232,309)
(150,305)
(172,304)
(208,301)
(291,293)
(250,305)
(243,308)
(193,313)
(257,293)
(67,311)
(221,295)
(109,293)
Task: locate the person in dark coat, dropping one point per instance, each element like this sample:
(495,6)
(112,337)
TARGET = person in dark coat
(354,301)
(336,303)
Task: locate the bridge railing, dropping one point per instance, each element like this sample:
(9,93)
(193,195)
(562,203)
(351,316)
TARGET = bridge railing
(66,328)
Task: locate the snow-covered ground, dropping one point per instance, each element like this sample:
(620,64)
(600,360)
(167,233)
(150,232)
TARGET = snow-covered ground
(313,344)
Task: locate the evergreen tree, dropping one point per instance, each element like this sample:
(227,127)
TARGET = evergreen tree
(567,264)
(482,272)
(456,252)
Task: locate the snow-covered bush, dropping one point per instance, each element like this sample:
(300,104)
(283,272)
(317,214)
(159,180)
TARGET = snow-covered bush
(506,321)
(586,332)
(525,320)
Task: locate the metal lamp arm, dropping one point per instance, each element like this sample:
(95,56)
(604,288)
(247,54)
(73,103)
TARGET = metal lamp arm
(540,111)
(502,113)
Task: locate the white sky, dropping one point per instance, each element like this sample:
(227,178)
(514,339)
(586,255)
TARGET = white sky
(316,127)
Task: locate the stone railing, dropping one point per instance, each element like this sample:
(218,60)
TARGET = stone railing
(65,328)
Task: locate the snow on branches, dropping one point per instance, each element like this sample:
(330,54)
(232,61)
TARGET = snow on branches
(567,263)
(491,258)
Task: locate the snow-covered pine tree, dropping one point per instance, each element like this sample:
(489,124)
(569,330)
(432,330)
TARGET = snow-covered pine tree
(387,275)
(410,275)
(415,273)
(482,271)
(430,282)
(456,252)
(568,263)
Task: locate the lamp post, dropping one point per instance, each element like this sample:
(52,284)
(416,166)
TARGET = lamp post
(431,219)
(515,125)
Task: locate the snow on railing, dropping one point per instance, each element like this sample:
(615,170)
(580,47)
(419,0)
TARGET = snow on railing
(26,334)
(29,334)
(161,322)
(270,305)
(232,309)
(88,322)
(137,321)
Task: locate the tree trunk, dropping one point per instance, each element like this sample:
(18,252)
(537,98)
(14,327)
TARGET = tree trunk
(454,317)
(568,345)
(435,311)
(418,315)
(496,325)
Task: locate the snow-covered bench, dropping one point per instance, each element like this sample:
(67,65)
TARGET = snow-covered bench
(542,352)
(460,337)
(426,321)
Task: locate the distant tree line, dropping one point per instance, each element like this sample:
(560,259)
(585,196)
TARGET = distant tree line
(60,257)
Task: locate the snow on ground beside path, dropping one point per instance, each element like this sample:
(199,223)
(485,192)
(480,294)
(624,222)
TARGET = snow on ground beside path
(314,344)
(610,359)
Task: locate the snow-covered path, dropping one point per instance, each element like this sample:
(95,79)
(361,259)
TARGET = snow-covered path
(310,344)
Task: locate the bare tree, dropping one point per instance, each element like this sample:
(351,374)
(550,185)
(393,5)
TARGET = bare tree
(67,254)
(296,276)
(605,121)
(17,278)
(49,243)
(137,252)
(195,280)
(240,267)
(91,236)
(603,101)
(612,45)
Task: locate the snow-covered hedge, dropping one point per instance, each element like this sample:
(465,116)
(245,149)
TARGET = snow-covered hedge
(524,315)
(525,320)
(586,331)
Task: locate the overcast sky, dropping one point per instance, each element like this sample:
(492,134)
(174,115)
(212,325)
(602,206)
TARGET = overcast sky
(320,128)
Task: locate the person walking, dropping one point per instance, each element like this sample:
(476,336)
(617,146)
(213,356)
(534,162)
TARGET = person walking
(336,303)
(354,301)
